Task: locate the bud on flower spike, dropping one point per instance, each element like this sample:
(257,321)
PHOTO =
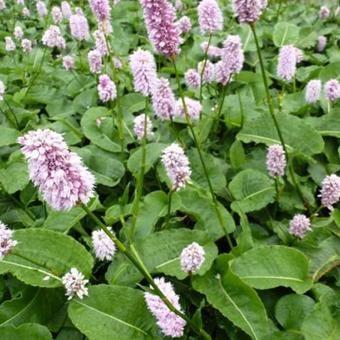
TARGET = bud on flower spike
(332,90)
(313,91)
(286,67)
(192,78)
(106,88)
(138,127)
(330,191)
(299,225)
(53,38)
(248,11)
(68,62)
(6,241)
(95,61)
(192,258)
(103,246)
(193,106)
(170,324)
(59,174)
(322,42)
(276,160)
(177,166)
(79,27)
(163,100)
(209,16)
(75,284)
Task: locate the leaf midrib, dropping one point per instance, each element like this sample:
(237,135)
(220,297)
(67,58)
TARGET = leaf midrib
(111,317)
(272,277)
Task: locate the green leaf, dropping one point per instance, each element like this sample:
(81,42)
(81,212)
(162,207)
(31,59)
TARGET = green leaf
(285,33)
(27,331)
(237,154)
(330,71)
(113,312)
(321,325)
(268,267)
(235,300)
(326,125)
(153,152)
(107,169)
(32,305)
(252,191)
(202,209)
(291,310)
(160,253)
(8,136)
(94,132)
(298,136)
(42,257)
(14,177)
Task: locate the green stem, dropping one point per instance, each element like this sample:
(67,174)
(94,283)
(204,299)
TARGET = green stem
(205,170)
(219,111)
(277,188)
(31,83)
(272,113)
(241,107)
(169,205)
(204,66)
(136,261)
(140,181)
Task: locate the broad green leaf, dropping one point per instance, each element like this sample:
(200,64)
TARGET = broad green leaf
(202,209)
(326,125)
(133,102)
(298,136)
(113,312)
(42,257)
(153,152)
(107,169)
(160,253)
(85,100)
(285,33)
(268,267)
(8,136)
(252,191)
(237,154)
(235,300)
(93,131)
(291,310)
(320,324)
(63,221)
(27,331)
(14,177)
(330,71)
(32,305)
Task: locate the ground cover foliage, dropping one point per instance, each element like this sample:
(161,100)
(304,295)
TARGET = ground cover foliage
(267,227)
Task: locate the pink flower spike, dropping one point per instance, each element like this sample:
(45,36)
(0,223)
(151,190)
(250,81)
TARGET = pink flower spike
(6,240)
(209,16)
(299,226)
(163,100)
(106,88)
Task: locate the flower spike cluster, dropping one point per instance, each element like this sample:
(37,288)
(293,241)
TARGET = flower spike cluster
(210,16)
(248,11)
(286,67)
(163,100)
(6,240)
(192,258)
(313,91)
(106,88)
(104,247)
(59,174)
(138,127)
(75,284)
(276,160)
(299,225)
(330,191)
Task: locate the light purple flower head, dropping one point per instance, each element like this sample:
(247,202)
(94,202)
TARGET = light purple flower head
(18,32)
(209,71)
(26,45)
(163,99)
(232,59)
(248,11)
(212,51)
(2,90)
(330,191)
(6,240)
(159,16)
(286,67)
(59,174)
(95,61)
(138,126)
(324,12)
(337,11)
(177,166)
(193,106)
(143,67)
(276,160)
(298,55)
(26,12)
(66,9)
(104,248)
(192,258)
(41,8)
(192,78)
(20,2)
(184,24)
(299,226)
(75,284)
(332,90)
(53,38)
(106,88)
(178,5)
(79,27)
(68,62)
(322,43)
(313,91)
(101,9)
(263,4)
(170,323)
(2,5)
(57,15)
(9,44)
(100,42)
(210,17)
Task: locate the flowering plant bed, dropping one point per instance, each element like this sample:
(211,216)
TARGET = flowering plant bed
(169,169)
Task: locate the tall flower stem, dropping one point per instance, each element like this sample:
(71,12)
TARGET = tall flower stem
(219,110)
(272,113)
(140,179)
(200,154)
(169,205)
(15,120)
(204,66)
(137,262)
